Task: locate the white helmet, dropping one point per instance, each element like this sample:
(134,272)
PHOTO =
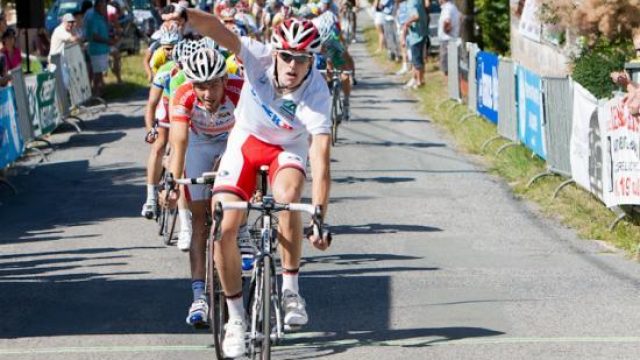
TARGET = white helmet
(207,42)
(296,35)
(325,24)
(169,36)
(204,64)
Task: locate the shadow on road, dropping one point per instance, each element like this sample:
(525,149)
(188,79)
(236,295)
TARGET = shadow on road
(380,229)
(68,194)
(395,144)
(378,179)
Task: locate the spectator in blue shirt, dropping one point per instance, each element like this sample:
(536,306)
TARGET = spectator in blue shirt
(97,34)
(415,33)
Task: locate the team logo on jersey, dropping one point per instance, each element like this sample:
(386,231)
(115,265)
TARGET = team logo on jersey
(263,79)
(271,114)
(288,107)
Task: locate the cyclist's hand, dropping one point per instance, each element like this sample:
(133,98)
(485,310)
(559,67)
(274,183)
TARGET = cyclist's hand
(170,201)
(319,236)
(151,136)
(621,78)
(179,12)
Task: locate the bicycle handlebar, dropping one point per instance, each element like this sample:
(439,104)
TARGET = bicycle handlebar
(314,210)
(207,178)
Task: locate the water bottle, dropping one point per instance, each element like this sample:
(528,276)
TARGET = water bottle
(247,250)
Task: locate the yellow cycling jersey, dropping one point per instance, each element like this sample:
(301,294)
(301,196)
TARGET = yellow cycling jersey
(232,66)
(158,59)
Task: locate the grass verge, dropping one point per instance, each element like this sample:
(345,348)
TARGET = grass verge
(516,165)
(134,79)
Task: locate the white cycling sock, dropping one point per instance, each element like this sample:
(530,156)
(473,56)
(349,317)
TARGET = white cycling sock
(290,282)
(151,192)
(235,307)
(185,218)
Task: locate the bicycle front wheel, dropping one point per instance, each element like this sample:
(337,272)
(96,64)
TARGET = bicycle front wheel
(171,215)
(266,308)
(336,113)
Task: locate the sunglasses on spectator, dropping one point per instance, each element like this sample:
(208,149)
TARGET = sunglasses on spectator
(298,58)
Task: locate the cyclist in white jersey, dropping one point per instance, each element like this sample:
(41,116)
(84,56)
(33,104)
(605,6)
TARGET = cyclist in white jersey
(201,114)
(284,100)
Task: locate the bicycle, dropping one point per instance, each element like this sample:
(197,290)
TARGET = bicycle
(264,310)
(349,25)
(339,110)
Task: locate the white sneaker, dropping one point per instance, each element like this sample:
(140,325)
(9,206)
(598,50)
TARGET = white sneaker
(233,345)
(198,314)
(150,208)
(184,239)
(410,83)
(294,309)
(403,70)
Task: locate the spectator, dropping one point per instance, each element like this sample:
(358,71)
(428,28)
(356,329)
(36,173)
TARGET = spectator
(378,21)
(78,29)
(97,33)
(63,35)
(402,15)
(448,30)
(12,53)
(3,22)
(415,33)
(43,46)
(115,33)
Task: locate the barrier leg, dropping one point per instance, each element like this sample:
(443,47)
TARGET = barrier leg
(100,100)
(562,186)
(617,220)
(486,143)
(78,120)
(464,118)
(5,182)
(71,123)
(47,142)
(43,156)
(506,146)
(539,176)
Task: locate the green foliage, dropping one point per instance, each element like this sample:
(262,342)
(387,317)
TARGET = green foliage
(493,19)
(593,67)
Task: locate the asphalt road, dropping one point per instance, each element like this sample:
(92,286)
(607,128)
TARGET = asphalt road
(433,257)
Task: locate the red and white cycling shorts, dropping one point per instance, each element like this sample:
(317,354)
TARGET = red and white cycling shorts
(162,113)
(202,152)
(245,155)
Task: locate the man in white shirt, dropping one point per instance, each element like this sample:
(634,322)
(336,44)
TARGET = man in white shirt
(63,35)
(448,29)
(284,102)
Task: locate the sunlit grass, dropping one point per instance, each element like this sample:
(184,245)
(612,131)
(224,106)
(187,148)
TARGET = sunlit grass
(134,79)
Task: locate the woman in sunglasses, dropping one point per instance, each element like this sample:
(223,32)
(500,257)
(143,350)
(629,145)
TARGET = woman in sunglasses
(284,100)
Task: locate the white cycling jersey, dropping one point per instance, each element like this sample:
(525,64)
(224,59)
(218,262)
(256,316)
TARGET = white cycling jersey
(275,118)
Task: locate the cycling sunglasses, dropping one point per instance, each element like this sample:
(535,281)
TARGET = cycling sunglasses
(287,56)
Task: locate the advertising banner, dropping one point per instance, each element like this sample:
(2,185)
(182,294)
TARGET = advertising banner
(530,111)
(46,101)
(586,142)
(487,78)
(31,87)
(621,180)
(75,67)
(11,144)
(22,104)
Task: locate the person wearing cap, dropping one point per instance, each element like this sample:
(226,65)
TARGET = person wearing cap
(63,35)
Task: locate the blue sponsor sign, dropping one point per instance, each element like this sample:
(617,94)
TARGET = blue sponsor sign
(487,79)
(530,111)
(11,144)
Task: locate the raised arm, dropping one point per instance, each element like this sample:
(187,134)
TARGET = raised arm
(207,25)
